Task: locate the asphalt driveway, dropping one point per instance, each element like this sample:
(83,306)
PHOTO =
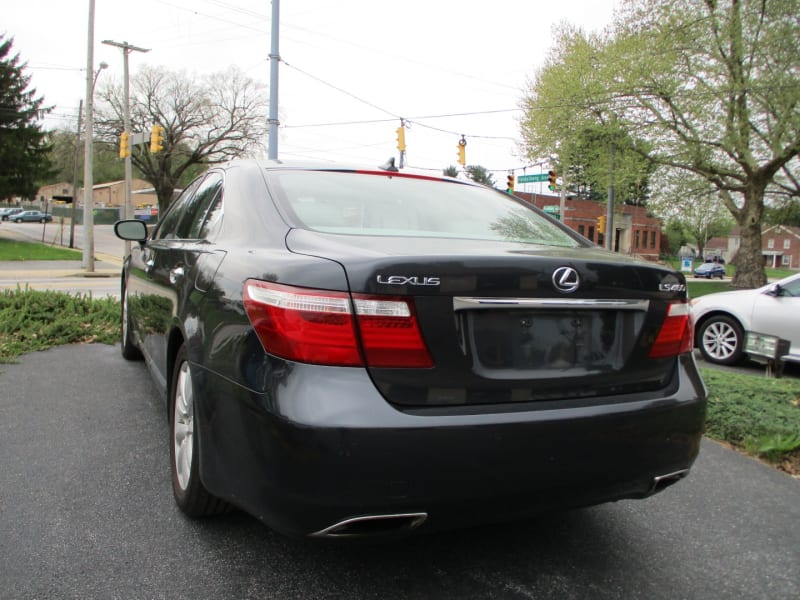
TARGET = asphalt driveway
(86,512)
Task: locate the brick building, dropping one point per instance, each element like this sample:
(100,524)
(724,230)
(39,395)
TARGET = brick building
(780,245)
(635,232)
(108,194)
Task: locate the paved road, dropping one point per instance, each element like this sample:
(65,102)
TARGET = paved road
(64,275)
(86,512)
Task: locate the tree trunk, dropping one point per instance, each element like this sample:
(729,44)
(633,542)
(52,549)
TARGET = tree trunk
(749,260)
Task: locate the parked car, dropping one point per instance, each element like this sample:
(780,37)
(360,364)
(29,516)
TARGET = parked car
(5,213)
(365,351)
(723,319)
(31,215)
(710,270)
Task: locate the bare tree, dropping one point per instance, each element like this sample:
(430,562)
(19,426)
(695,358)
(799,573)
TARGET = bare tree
(206,120)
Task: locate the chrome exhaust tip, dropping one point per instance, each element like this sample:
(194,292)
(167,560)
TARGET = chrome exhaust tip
(373,525)
(663,481)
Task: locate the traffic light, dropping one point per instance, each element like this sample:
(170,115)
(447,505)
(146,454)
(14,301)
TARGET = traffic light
(401,139)
(124,144)
(510,184)
(462,151)
(156,138)
(551,177)
(601,224)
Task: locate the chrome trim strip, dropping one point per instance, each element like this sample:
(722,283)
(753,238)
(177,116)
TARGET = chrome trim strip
(464,303)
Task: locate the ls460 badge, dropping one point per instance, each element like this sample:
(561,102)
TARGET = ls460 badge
(672,287)
(403,280)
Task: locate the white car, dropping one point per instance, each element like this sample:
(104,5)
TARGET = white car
(723,319)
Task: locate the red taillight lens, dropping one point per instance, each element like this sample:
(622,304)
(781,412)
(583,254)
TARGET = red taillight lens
(390,333)
(317,326)
(676,334)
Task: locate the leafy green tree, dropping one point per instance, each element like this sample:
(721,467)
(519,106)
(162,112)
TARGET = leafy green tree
(479,174)
(23,143)
(785,212)
(585,142)
(206,120)
(63,153)
(601,151)
(694,204)
(676,237)
(712,86)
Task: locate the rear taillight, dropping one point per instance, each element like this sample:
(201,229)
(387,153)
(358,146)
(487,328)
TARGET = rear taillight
(318,326)
(675,336)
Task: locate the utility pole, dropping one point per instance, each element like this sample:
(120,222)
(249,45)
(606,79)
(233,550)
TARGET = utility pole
(610,207)
(126,120)
(88,174)
(274,59)
(75,176)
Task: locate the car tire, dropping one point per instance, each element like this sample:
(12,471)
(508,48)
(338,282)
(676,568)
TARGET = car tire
(721,340)
(17,220)
(129,349)
(191,496)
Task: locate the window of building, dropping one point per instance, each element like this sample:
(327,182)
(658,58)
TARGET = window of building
(771,243)
(786,260)
(636,238)
(653,239)
(644,238)
(591,232)
(787,244)
(581,229)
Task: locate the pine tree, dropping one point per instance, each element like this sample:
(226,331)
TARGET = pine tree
(23,145)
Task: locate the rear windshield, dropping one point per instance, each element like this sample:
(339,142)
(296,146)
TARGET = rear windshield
(379,204)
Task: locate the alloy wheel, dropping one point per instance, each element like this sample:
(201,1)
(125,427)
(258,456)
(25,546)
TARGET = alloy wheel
(183,428)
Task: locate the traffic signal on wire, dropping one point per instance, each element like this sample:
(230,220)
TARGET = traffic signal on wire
(401,139)
(124,144)
(156,138)
(510,184)
(551,177)
(462,151)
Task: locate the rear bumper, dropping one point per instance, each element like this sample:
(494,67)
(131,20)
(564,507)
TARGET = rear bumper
(323,447)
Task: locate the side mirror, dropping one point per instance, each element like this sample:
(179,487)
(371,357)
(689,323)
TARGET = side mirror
(776,290)
(132,230)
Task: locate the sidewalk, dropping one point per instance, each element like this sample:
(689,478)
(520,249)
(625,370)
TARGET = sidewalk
(105,265)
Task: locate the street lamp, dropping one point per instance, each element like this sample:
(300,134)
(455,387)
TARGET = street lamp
(103,65)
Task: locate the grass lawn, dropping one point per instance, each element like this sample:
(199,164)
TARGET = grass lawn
(16,250)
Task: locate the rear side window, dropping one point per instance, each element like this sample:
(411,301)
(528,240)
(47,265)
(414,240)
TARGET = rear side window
(168,226)
(366,203)
(207,194)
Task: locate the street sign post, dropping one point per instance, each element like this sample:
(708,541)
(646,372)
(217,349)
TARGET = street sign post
(553,209)
(535,178)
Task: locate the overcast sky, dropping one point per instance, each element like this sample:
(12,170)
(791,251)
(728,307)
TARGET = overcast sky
(351,68)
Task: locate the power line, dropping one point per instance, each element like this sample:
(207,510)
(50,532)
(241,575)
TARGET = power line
(343,91)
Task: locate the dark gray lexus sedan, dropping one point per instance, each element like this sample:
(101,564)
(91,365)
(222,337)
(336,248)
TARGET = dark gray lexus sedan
(370,352)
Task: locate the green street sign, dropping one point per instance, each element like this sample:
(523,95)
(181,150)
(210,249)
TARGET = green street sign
(533,178)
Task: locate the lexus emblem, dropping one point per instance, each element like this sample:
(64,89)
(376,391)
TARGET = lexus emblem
(566,280)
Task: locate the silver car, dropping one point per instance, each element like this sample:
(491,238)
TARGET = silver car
(722,320)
